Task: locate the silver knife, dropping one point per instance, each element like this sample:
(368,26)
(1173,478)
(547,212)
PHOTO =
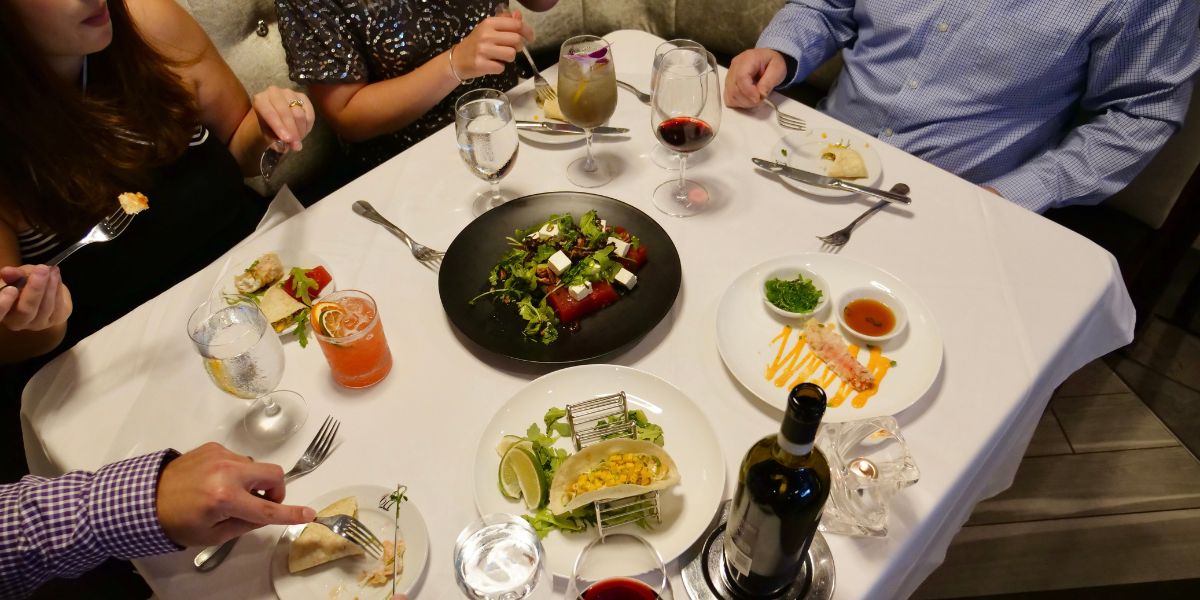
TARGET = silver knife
(567,128)
(825,181)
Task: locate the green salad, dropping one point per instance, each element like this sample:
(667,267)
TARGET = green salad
(797,295)
(528,465)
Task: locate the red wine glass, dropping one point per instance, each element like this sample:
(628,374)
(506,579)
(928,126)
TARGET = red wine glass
(618,566)
(685,112)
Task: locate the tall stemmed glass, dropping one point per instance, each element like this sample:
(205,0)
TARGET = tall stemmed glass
(662,156)
(487,140)
(618,565)
(244,358)
(685,112)
(587,95)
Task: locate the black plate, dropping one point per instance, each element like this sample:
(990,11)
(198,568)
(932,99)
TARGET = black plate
(497,327)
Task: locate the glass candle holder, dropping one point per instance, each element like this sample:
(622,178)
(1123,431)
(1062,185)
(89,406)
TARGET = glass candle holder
(869,462)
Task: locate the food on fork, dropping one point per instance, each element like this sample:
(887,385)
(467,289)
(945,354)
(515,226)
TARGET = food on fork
(317,545)
(133,202)
(831,348)
(260,274)
(383,573)
(846,162)
(552,110)
(611,470)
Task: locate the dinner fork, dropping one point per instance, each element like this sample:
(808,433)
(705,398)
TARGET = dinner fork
(428,256)
(355,532)
(315,454)
(641,96)
(785,120)
(545,92)
(106,230)
(839,238)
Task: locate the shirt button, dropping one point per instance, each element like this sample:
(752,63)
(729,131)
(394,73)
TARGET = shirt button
(943,27)
(912,84)
(888,132)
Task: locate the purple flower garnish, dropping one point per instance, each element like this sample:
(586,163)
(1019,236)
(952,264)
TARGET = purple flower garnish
(598,57)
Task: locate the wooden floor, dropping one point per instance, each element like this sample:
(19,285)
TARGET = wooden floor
(1107,494)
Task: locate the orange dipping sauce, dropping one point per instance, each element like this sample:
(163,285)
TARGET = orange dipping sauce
(869,317)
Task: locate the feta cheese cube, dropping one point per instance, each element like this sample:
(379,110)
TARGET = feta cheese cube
(548,231)
(559,262)
(622,246)
(626,278)
(581,291)
(603,224)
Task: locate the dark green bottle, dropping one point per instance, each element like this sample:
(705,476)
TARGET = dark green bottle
(782,487)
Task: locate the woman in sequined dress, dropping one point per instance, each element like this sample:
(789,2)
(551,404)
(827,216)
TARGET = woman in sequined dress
(385,74)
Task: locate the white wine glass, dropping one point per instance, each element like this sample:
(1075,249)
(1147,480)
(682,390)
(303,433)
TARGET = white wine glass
(244,358)
(663,157)
(685,113)
(618,565)
(587,96)
(487,140)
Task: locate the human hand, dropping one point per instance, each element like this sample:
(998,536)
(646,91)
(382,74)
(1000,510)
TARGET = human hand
(285,114)
(40,303)
(494,42)
(206,496)
(752,75)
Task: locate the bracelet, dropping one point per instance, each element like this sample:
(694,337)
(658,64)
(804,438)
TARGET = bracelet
(452,71)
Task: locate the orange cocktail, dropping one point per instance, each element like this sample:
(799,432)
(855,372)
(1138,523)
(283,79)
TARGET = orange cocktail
(348,328)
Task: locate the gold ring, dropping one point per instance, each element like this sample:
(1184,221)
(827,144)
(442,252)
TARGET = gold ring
(295,103)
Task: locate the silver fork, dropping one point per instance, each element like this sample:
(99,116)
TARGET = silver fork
(421,252)
(643,97)
(839,238)
(355,532)
(106,230)
(315,454)
(785,120)
(545,92)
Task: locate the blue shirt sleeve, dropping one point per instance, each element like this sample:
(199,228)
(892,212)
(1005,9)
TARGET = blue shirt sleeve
(810,31)
(1139,86)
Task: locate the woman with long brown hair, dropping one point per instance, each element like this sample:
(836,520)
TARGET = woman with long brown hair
(105,97)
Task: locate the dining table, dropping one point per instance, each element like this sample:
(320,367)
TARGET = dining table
(1020,303)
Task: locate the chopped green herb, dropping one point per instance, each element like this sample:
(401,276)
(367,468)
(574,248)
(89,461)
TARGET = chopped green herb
(893,363)
(783,151)
(797,295)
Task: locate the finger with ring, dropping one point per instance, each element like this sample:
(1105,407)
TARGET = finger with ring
(293,103)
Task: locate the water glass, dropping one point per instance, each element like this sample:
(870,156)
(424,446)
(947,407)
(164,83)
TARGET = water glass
(587,95)
(348,328)
(618,565)
(487,140)
(244,358)
(869,463)
(685,114)
(499,557)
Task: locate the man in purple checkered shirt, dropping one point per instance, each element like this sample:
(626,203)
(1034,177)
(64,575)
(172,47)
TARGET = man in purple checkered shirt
(138,507)
(1046,102)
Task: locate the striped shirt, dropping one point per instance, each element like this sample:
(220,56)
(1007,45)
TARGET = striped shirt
(65,526)
(1052,102)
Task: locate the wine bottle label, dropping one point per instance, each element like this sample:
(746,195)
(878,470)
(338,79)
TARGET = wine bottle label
(738,559)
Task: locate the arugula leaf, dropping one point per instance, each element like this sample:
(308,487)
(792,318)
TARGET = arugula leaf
(302,327)
(302,285)
(544,521)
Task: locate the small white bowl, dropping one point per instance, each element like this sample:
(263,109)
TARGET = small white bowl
(788,273)
(880,294)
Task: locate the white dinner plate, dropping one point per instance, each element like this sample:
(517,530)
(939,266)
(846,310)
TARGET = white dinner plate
(290,258)
(687,509)
(339,579)
(746,328)
(525,108)
(802,150)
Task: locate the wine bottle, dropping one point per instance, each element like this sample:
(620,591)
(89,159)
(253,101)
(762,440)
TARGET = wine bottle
(782,486)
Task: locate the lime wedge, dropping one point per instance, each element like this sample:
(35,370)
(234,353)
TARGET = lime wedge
(506,442)
(520,475)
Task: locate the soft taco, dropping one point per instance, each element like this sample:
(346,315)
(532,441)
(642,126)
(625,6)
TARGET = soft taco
(609,471)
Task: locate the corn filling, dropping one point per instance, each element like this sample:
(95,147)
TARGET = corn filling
(618,469)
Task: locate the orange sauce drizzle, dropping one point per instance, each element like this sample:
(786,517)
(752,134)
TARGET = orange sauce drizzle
(797,366)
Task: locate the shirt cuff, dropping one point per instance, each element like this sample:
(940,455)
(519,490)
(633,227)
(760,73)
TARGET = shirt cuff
(786,46)
(123,507)
(1026,189)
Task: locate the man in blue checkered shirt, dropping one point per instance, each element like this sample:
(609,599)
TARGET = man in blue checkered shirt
(1046,102)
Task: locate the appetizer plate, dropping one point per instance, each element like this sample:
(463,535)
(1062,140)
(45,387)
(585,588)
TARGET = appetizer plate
(290,258)
(340,578)
(525,108)
(497,326)
(687,508)
(746,328)
(802,150)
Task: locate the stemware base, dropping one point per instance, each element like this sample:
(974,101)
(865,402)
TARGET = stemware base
(485,201)
(688,200)
(580,176)
(276,416)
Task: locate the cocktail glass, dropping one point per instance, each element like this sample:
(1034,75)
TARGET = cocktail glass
(587,95)
(348,328)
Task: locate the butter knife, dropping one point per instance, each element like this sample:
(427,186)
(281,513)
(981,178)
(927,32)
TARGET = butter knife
(568,128)
(825,181)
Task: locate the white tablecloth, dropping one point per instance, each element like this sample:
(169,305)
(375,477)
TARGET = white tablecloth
(1021,303)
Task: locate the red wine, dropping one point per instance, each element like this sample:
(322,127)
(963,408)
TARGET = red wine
(782,486)
(619,588)
(685,134)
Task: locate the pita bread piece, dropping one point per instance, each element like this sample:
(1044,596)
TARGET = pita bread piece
(318,545)
(847,163)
